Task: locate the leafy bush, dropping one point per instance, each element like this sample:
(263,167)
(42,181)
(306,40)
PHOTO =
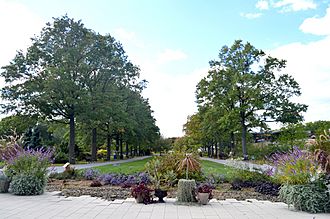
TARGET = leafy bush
(61,157)
(295,167)
(311,198)
(27,162)
(268,188)
(264,151)
(171,162)
(91,174)
(101,153)
(27,185)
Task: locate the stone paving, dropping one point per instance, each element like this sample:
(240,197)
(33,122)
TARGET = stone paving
(51,205)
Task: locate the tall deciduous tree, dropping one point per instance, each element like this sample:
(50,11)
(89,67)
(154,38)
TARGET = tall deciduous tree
(58,72)
(244,85)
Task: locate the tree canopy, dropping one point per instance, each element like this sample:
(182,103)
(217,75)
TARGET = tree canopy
(244,87)
(71,74)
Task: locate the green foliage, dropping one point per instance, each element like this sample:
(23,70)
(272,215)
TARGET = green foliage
(32,138)
(294,135)
(311,197)
(249,176)
(27,185)
(294,167)
(16,124)
(317,128)
(264,151)
(186,191)
(241,88)
(152,168)
(28,164)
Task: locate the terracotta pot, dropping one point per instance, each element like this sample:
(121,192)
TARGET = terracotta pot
(160,194)
(203,198)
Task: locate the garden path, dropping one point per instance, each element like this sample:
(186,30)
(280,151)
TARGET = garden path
(60,169)
(240,164)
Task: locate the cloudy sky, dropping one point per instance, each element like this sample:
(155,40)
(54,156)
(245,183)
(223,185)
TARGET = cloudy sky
(172,41)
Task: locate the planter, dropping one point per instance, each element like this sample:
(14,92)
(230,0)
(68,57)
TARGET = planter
(203,198)
(139,199)
(186,190)
(160,194)
(4,184)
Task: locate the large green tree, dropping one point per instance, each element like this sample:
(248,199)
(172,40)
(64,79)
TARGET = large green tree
(55,75)
(245,86)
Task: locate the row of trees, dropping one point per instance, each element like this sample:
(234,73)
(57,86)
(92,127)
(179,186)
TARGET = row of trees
(70,74)
(243,90)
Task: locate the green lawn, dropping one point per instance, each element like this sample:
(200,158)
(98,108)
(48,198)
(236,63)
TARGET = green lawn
(127,168)
(208,167)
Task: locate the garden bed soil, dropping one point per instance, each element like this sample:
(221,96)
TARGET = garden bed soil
(82,187)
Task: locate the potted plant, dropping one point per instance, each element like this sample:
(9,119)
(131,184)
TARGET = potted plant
(142,193)
(186,187)
(153,167)
(204,193)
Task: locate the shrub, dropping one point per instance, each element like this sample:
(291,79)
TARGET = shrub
(28,162)
(91,174)
(101,153)
(27,185)
(268,188)
(295,167)
(310,198)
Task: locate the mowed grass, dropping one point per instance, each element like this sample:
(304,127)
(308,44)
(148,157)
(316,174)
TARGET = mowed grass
(126,168)
(208,167)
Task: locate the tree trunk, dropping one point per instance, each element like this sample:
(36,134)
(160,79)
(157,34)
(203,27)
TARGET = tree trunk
(121,149)
(94,149)
(216,150)
(244,130)
(117,146)
(108,147)
(126,149)
(72,140)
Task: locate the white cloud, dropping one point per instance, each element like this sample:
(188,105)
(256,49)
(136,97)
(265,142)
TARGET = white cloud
(286,5)
(262,5)
(171,55)
(17,24)
(294,5)
(309,65)
(317,26)
(250,15)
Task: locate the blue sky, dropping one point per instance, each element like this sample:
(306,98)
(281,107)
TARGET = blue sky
(173,41)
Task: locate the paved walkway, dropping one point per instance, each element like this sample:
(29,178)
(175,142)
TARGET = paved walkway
(60,169)
(239,164)
(51,205)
